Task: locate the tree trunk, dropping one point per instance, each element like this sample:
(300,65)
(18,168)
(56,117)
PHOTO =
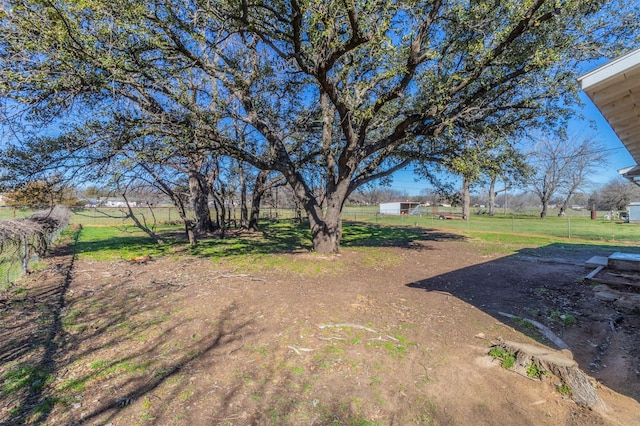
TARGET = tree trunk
(140,225)
(466,198)
(200,202)
(258,191)
(492,197)
(221,211)
(244,211)
(545,207)
(326,224)
(563,207)
(326,233)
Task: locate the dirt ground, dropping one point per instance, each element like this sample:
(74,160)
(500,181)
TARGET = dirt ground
(388,335)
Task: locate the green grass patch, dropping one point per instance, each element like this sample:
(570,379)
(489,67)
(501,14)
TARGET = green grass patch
(114,242)
(534,371)
(111,368)
(508,360)
(565,318)
(271,249)
(523,323)
(574,225)
(563,389)
(25,376)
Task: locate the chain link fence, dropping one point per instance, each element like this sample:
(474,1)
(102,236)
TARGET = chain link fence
(23,241)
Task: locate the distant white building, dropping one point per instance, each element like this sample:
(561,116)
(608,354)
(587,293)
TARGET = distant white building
(117,202)
(399,207)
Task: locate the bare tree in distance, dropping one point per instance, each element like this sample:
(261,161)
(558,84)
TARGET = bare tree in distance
(562,166)
(616,194)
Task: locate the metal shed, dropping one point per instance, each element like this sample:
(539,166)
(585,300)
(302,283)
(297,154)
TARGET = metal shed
(634,213)
(397,207)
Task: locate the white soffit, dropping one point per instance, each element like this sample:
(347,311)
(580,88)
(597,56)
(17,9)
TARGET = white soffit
(615,89)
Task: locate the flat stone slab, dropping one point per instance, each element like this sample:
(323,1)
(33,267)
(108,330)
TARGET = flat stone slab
(624,262)
(596,261)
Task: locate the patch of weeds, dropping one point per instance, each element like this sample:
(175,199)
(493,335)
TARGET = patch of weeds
(541,291)
(42,408)
(69,319)
(15,411)
(426,409)
(37,266)
(262,350)
(175,380)
(508,359)
(523,323)
(274,415)
(146,415)
(20,291)
(423,378)
(565,318)
(482,405)
(533,312)
(98,364)
(296,370)
(161,372)
(341,415)
(324,364)
(396,348)
(187,393)
(563,389)
(379,399)
(534,371)
(374,380)
(179,419)
(25,376)
(74,385)
(108,370)
(158,319)
(334,350)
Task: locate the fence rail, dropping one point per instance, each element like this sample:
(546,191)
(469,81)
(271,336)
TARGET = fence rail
(23,236)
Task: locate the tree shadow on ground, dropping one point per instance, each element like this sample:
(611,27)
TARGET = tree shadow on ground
(275,238)
(49,329)
(546,284)
(287,237)
(109,354)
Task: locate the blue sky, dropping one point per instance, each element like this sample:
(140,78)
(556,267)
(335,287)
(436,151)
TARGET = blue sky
(592,124)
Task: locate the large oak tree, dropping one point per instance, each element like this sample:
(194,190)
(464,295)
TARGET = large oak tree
(354,90)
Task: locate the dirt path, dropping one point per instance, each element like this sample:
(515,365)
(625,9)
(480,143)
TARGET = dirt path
(394,335)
